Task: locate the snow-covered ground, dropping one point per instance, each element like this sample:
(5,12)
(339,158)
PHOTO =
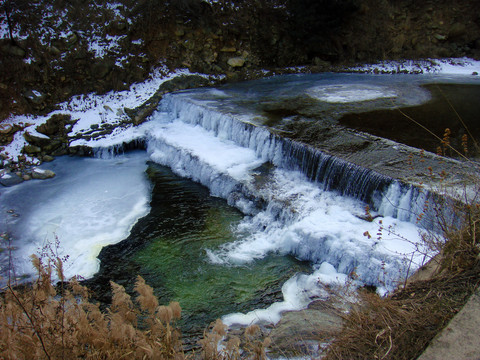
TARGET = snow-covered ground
(90,109)
(452,66)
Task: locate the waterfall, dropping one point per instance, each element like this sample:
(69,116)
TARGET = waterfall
(298,199)
(333,173)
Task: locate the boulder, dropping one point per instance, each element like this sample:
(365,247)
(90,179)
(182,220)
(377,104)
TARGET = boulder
(31,149)
(55,125)
(35,96)
(236,62)
(36,139)
(299,331)
(10,179)
(102,69)
(6,129)
(14,50)
(42,174)
(457,31)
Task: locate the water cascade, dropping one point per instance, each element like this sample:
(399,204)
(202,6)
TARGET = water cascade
(296,200)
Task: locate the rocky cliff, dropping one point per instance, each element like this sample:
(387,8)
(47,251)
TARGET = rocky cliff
(52,49)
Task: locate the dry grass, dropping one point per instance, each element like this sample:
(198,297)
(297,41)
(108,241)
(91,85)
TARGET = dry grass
(41,321)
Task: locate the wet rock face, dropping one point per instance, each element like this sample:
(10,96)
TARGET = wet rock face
(300,332)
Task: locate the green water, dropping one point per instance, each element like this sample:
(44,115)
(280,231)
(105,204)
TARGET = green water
(169,249)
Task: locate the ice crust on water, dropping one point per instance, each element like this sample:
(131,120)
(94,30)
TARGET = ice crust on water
(346,93)
(90,204)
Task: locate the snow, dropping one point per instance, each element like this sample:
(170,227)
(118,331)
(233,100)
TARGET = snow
(451,66)
(102,45)
(91,109)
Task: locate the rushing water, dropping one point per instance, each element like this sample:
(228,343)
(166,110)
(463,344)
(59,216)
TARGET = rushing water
(239,217)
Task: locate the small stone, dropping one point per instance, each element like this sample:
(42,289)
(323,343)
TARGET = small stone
(440,37)
(71,39)
(230,49)
(54,51)
(48,158)
(35,96)
(236,62)
(42,174)
(26,177)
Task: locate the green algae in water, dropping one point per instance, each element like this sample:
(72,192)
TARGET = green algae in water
(176,264)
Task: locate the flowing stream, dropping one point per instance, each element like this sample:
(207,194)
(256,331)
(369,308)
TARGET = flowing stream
(223,211)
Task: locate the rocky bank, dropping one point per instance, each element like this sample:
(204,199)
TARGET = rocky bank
(54,49)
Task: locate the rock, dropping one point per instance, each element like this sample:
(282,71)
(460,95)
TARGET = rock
(297,331)
(42,174)
(48,158)
(54,51)
(9,179)
(179,32)
(31,149)
(236,62)
(457,30)
(6,129)
(55,125)
(440,37)
(120,24)
(321,63)
(71,39)
(14,50)
(102,69)
(189,44)
(26,177)
(230,49)
(35,96)
(181,83)
(37,139)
